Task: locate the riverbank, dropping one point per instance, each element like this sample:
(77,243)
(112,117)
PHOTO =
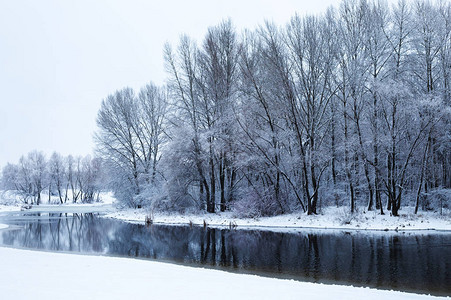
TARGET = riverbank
(62,208)
(329,218)
(12,202)
(98,277)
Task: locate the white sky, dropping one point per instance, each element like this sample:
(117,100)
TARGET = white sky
(59,59)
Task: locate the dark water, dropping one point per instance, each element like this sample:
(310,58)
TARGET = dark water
(409,262)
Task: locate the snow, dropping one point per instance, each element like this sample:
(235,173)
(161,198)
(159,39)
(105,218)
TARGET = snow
(107,197)
(99,277)
(63,208)
(9,208)
(73,208)
(11,202)
(330,218)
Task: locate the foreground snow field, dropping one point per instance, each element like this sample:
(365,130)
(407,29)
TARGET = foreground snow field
(28,274)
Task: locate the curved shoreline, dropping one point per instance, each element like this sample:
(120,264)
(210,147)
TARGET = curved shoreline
(363,222)
(331,219)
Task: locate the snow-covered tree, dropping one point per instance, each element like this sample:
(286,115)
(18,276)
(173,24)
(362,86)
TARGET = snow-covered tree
(57,174)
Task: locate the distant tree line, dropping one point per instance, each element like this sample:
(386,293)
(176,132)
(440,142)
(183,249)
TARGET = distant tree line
(65,179)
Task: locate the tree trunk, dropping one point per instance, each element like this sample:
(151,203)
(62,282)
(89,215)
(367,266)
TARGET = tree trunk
(222,181)
(423,162)
(211,201)
(59,193)
(365,162)
(334,155)
(347,167)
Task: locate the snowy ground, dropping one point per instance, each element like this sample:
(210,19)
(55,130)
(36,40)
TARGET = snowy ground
(8,208)
(331,218)
(53,275)
(12,202)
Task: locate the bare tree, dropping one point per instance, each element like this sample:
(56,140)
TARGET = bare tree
(37,164)
(217,81)
(153,109)
(57,173)
(312,59)
(116,139)
(183,85)
(261,120)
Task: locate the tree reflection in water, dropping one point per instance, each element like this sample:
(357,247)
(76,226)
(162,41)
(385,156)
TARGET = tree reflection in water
(385,260)
(60,232)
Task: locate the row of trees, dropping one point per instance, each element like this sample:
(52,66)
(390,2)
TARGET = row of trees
(66,178)
(348,108)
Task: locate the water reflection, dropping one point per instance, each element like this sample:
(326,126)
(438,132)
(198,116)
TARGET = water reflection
(59,232)
(419,263)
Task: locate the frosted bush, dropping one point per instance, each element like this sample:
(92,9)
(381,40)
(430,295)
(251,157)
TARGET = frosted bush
(436,200)
(345,217)
(251,205)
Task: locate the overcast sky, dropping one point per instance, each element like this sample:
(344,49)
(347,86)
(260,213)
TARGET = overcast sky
(59,59)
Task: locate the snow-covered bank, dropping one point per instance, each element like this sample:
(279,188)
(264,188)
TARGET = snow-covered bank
(73,208)
(61,208)
(71,276)
(12,202)
(7,208)
(69,208)
(331,218)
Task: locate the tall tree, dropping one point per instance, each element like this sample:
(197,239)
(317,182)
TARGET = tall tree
(57,173)
(311,57)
